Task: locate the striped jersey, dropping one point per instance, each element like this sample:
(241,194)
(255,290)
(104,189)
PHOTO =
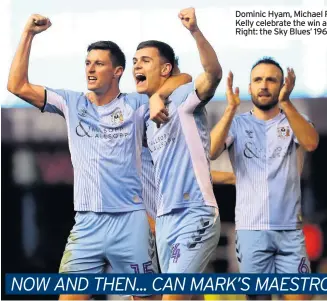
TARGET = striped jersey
(180,152)
(105,144)
(148,182)
(264,158)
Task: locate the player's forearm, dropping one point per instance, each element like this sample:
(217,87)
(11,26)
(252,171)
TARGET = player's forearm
(172,83)
(222,177)
(305,133)
(18,75)
(208,58)
(219,133)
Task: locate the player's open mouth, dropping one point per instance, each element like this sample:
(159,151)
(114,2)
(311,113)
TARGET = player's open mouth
(91,79)
(139,78)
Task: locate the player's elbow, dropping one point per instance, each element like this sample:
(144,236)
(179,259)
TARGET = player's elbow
(212,151)
(214,78)
(213,156)
(14,87)
(219,74)
(216,73)
(216,150)
(215,153)
(310,147)
(313,143)
(11,87)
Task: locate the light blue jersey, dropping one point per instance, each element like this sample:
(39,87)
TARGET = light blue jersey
(264,158)
(105,143)
(148,183)
(180,151)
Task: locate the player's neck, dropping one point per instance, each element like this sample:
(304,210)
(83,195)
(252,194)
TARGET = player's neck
(110,95)
(266,115)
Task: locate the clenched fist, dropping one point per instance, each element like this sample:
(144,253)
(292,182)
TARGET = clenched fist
(188,19)
(36,24)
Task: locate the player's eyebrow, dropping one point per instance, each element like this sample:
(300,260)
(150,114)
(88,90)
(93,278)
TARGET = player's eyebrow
(135,59)
(272,78)
(96,61)
(269,78)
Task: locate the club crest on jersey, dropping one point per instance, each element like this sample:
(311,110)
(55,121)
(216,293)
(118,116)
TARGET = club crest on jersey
(283,131)
(117,117)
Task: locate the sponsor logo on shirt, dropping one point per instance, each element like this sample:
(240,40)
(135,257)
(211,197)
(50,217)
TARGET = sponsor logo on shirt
(251,150)
(84,129)
(160,141)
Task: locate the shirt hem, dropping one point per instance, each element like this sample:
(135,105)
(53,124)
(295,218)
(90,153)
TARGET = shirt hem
(256,228)
(181,206)
(110,210)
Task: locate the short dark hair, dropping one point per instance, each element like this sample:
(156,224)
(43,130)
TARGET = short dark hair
(116,54)
(165,51)
(269,61)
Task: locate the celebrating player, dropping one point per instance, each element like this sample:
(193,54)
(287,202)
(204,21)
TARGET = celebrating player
(266,149)
(105,140)
(187,224)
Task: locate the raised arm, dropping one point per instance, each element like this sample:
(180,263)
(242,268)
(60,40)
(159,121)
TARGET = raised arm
(207,82)
(219,133)
(305,133)
(18,82)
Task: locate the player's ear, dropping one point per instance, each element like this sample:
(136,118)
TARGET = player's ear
(249,90)
(118,72)
(166,69)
